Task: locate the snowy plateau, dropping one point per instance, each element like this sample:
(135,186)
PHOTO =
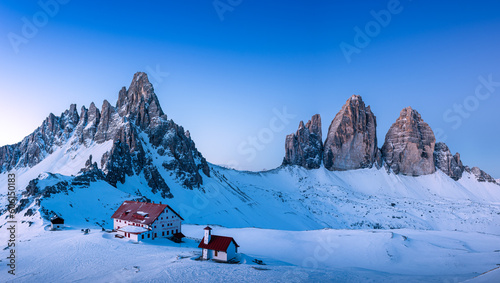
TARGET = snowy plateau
(305,225)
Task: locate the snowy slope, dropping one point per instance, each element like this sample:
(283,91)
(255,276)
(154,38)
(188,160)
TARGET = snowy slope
(487,277)
(137,153)
(426,228)
(304,256)
(293,198)
(65,160)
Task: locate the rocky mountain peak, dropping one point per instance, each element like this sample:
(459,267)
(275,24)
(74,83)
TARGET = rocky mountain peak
(140,103)
(410,113)
(480,175)
(301,125)
(70,118)
(451,165)
(314,126)
(355,98)
(409,145)
(351,142)
(109,123)
(305,147)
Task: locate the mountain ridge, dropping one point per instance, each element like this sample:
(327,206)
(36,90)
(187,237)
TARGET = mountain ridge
(132,151)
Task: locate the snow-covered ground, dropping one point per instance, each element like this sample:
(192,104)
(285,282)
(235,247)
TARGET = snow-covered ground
(294,199)
(287,198)
(379,227)
(290,256)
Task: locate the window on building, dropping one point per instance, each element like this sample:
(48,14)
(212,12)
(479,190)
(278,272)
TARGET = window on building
(156,235)
(162,225)
(143,236)
(148,235)
(216,253)
(163,233)
(168,232)
(176,231)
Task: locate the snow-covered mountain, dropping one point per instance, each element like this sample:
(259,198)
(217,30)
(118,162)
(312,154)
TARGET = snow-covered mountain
(83,165)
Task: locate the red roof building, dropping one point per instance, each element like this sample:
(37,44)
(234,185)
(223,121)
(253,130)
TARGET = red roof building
(156,219)
(216,247)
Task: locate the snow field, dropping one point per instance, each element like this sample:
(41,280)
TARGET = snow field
(290,256)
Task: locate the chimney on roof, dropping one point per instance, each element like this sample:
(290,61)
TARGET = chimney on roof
(208,235)
(160,202)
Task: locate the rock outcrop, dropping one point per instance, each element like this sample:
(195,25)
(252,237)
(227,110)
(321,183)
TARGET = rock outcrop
(109,123)
(69,120)
(139,103)
(140,110)
(409,145)
(480,175)
(54,131)
(305,147)
(351,142)
(137,126)
(87,126)
(451,165)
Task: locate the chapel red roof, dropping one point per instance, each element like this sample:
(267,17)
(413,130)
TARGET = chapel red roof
(141,212)
(217,243)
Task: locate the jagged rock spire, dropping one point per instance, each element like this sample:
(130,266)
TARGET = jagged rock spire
(305,147)
(451,165)
(409,145)
(480,175)
(351,142)
(139,103)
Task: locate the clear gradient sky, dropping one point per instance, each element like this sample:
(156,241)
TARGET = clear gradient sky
(229,68)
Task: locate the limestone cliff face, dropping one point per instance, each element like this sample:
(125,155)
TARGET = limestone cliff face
(139,103)
(451,165)
(138,110)
(87,125)
(409,145)
(54,132)
(480,175)
(109,123)
(351,141)
(305,147)
(136,123)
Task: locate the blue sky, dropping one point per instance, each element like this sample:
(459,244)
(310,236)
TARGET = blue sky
(230,71)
